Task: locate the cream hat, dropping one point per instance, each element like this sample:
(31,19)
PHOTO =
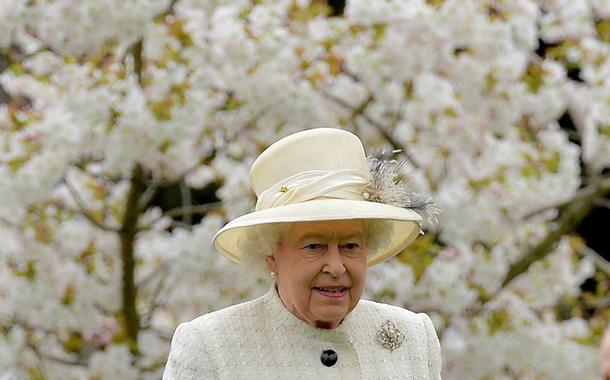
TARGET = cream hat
(323,174)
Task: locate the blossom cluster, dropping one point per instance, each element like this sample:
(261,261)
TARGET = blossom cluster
(191,91)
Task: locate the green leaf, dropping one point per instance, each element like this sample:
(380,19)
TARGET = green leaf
(69,294)
(176,29)
(499,320)
(490,81)
(74,343)
(560,53)
(17,163)
(314,9)
(162,110)
(420,254)
(17,68)
(435,3)
(29,272)
(530,171)
(603,30)
(551,162)
(232,104)
(35,373)
(533,77)
(87,257)
(379,31)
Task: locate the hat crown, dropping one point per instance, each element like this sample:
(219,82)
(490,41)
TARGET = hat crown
(320,149)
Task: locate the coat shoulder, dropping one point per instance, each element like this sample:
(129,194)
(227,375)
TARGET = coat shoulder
(241,313)
(195,344)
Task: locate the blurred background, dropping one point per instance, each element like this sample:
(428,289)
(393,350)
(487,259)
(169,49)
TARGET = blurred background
(127,129)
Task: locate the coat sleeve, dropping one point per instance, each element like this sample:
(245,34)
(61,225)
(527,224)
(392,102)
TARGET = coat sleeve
(188,356)
(434,348)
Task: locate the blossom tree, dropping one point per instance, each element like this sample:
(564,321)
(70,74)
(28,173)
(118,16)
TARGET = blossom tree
(106,102)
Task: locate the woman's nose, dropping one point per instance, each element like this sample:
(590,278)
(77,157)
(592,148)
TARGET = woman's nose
(334,262)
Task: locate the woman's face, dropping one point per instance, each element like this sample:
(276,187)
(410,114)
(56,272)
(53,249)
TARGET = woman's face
(321,270)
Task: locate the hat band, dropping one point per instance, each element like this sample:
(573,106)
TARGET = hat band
(314,184)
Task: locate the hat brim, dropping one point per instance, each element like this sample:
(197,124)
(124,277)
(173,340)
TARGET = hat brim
(404,224)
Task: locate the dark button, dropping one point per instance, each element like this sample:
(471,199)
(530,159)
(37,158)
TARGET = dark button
(328,358)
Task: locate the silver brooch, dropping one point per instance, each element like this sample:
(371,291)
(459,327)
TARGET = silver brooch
(389,336)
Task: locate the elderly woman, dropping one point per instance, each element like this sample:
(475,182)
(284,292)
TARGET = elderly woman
(324,213)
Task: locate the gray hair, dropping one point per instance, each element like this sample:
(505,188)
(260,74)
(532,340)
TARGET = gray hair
(262,240)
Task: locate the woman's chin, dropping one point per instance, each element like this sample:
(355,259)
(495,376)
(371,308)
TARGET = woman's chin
(328,324)
(332,317)
(325,325)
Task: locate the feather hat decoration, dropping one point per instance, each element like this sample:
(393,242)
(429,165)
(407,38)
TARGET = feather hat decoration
(387,185)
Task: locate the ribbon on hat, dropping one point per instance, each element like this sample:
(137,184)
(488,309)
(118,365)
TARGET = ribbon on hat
(314,184)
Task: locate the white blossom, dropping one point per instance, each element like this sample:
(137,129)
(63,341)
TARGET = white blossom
(462,86)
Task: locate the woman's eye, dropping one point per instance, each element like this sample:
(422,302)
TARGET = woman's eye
(351,246)
(314,246)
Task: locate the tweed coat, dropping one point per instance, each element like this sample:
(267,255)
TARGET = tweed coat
(261,340)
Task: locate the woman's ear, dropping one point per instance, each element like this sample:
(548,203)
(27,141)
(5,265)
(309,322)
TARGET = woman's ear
(271,263)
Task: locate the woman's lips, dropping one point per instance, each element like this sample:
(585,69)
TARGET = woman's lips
(332,292)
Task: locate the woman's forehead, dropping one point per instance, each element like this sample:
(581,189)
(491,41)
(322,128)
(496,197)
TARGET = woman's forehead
(327,229)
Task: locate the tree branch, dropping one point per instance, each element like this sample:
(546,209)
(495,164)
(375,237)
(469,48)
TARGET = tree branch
(169,10)
(127,234)
(137,48)
(8,223)
(571,215)
(138,64)
(153,305)
(605,203)
(43,355)
(583,193)
(83,209)
(80,361)
(599,260)
(149,193)
(192,209)
(185,198)
(382,130)
(161,293)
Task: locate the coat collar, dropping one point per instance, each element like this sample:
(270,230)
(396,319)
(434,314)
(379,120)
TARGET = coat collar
(282,319)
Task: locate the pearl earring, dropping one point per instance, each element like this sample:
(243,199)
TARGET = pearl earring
(273,274)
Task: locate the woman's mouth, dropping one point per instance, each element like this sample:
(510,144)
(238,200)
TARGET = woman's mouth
(333,292)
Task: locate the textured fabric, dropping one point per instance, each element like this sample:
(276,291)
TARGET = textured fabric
(260,339)
(313,184)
